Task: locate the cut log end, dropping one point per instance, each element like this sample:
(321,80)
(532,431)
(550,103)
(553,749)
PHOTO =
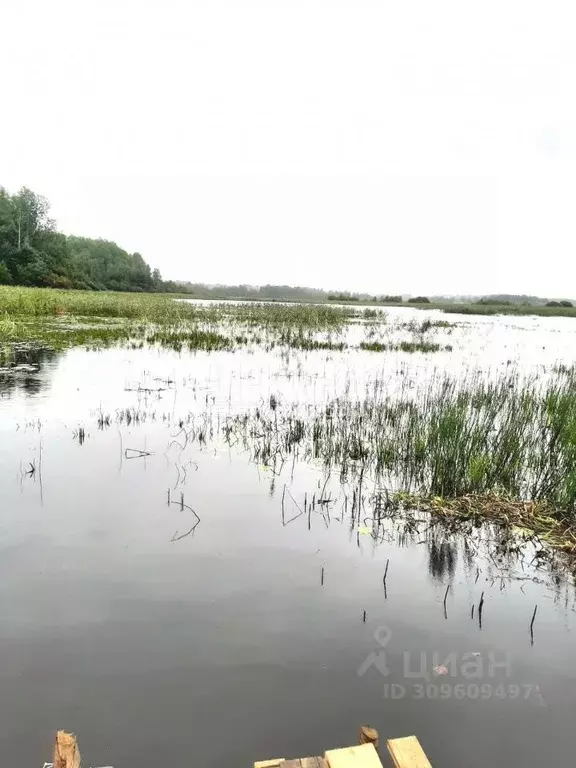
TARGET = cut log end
(66,752)
(368,735)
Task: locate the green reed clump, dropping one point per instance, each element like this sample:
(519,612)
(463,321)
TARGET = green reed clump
(448,439)
(373,314)
(193,338)
(417,327)
(299,316)
(405,346)
(374,346)
(422,346)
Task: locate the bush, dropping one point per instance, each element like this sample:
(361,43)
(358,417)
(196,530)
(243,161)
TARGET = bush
(494,302)
(5,275)
(419,300)
(57,281)
(342,297)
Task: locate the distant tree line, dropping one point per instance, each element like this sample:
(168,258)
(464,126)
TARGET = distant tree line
(33,252)
(507,299)
(563,303)
(287,293)
(254,292)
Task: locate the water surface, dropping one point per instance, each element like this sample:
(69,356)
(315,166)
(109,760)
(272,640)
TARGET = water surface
(222,645)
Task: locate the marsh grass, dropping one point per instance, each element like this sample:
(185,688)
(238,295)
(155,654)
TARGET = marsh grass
(405,346)
(449,438)
(149,307)
(424,326)
(193,338)
(503,309)
(60,319)
(47,302)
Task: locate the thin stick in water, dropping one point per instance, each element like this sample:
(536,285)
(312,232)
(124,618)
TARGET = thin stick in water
(386,570)
(322,577)
(532,624)
(480,609)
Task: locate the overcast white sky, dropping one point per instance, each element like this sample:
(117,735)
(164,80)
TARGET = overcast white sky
(422,146)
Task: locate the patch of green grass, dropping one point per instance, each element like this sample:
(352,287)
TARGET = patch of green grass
(374,346)
(48,302)
(60,319)
(149,307)
(422,346)
(193,339)
(405,346)
(503,309)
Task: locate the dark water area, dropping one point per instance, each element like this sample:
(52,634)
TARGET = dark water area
(158,644)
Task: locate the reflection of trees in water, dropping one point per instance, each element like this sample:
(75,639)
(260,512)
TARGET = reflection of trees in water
(442,556)
(31,382)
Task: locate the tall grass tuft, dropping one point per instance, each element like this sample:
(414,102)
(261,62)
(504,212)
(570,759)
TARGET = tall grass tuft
(447,438)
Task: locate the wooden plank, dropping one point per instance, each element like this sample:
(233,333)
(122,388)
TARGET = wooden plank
(269,763)
(290,763)
(313,762)
(407,753)
(362,756)
(66,752)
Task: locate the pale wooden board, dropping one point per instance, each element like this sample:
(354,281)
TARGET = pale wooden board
(407,753)
(362,756)
(269,763)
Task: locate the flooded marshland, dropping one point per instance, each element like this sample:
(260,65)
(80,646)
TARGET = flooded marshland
(215,546)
